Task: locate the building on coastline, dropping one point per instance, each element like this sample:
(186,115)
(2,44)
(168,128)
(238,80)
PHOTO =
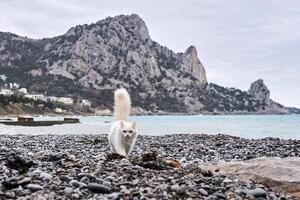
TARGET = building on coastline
(14,85)
(59,110)
(84,103)
(52,98)
(6,92)
(65,100)
(36,97)
(102,110)
(23,91)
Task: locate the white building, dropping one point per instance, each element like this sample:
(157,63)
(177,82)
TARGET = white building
(23,90)
(84,103)
(52,98)
(14,85)
(59,110)
(6,92)
(36,97)
(65,100)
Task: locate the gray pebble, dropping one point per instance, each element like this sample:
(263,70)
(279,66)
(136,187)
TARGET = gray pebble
(257,192)
(97,188)
(203,192)
(34,187)
(114,195)
(74,183)
(46,176)
(68,191)
(25,180)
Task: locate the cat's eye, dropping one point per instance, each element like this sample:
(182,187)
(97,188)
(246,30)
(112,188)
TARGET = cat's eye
(130,131)
(124,131)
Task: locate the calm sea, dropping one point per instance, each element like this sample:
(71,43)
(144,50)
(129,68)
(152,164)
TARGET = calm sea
(248,126)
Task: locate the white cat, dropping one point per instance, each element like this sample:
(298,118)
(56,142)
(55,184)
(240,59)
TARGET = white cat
(122,134)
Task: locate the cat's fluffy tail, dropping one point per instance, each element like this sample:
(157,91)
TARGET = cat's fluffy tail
(122,105)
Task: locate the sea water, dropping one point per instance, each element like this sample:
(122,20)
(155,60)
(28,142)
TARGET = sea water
(247,126)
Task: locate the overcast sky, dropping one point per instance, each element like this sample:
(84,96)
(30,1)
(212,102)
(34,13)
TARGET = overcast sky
(238,41)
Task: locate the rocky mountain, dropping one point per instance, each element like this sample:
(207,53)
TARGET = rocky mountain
(259,91)
(90,61)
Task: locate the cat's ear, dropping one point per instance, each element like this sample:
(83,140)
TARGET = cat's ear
(122,124)
(134,125)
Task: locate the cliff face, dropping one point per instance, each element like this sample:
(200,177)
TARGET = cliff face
(119,51)
(259,90)
(192,64)
(90,61)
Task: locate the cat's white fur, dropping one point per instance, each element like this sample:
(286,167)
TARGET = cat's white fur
(122,134)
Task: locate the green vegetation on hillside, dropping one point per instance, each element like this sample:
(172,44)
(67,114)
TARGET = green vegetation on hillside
(18,104)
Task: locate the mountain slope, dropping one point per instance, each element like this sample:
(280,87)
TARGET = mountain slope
(119,51)
(90,61)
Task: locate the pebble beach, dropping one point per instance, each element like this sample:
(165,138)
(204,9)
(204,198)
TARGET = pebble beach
(160,167)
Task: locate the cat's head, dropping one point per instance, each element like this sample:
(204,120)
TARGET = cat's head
(128,130)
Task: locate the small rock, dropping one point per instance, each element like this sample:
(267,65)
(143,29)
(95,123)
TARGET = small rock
(10,195)
(34,187)
(25,192)
(85,179)
(74,183)
(64,178)
(68,191)
(257,192)
(24,181)
(75,196)
(97,188)
(46,176)
(82,185)
(36,172)
(211,151)
(203,192)
(115,195)
(178,189)
(10,184)
(174,187)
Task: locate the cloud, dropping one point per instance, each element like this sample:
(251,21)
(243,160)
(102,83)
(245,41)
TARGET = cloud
(237,41)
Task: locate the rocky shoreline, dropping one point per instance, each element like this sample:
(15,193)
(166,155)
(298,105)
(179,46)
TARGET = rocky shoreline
(161,167)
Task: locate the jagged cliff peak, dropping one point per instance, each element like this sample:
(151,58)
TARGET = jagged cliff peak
(192,51)
(193,64)
(133,23)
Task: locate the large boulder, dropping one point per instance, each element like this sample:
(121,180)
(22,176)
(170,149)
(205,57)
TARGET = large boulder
(282,175)
(260,91)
